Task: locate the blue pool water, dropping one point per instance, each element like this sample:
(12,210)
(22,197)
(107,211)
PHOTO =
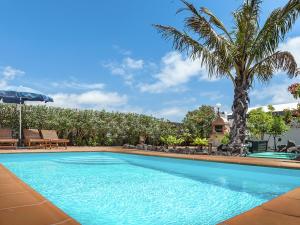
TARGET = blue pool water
(119,189)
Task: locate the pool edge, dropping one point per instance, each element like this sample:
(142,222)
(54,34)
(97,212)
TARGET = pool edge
(282,210)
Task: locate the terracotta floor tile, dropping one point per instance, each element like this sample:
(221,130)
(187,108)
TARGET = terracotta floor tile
(283,205)
(6,180)
(11,188)
(43,214)
(294,194)
(259,216)
(18,199)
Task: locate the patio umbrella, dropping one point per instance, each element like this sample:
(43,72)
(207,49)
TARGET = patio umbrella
(19,98)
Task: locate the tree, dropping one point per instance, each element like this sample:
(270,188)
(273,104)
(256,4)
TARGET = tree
(244,54)
(259,123)
(199,121)
(277,128)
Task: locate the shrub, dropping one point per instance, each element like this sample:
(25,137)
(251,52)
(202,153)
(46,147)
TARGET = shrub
(88,127)
(226,139)
(171,140)
(200,141)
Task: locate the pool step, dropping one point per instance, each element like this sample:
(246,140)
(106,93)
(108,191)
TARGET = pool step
(97,160)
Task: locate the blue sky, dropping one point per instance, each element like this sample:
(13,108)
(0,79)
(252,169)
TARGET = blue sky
(106,55)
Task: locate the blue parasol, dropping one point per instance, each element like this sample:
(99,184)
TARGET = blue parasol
(21,97)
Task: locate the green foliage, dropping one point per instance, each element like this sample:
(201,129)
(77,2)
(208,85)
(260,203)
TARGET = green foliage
(277,128)
(259,123)
(88,127)
(226,139)
(199,121)
(171,140)
(187,136)
(288,116)
(200,141)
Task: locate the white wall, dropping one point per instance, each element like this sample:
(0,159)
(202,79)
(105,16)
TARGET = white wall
(293,134)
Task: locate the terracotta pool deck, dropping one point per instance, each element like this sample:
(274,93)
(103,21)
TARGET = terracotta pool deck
(21,205)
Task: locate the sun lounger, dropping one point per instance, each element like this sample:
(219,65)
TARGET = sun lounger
(6,139)
(51,135)
(32,137)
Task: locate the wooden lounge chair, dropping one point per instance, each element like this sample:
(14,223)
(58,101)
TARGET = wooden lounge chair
(6,139)
(51,135)
(32,137)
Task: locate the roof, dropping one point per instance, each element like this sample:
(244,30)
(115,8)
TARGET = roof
(277,108)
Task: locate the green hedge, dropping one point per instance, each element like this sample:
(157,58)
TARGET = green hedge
(88,127)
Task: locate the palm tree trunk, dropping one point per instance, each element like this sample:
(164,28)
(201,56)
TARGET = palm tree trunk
(239,113)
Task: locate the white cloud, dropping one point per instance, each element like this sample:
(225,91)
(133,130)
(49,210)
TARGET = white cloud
(126,68)
(133,64)
(212,95)
(170,113)
(275,93)
(78,85)
(175,71)
(3,84)
(183,101)
(120,50)
(90,99)
(175,111)
(9,73)
(117,70)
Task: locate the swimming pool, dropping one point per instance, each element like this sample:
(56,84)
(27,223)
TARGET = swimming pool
(275,155)
(111,188)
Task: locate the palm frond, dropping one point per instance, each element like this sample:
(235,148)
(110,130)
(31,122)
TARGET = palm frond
(202,27)
(275,29)
(265,69)
(247,23)
(216,21)
(189,7)
(214,62)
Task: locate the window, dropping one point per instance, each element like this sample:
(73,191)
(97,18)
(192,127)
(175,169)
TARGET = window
(219,128)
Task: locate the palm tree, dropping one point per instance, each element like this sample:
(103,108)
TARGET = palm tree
(246,53)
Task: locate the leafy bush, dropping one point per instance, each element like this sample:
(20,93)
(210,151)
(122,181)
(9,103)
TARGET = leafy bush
(88,127)
(200,141)
(226,139)
(171,140)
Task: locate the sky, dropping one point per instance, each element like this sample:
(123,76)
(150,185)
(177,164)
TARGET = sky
(107,55)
